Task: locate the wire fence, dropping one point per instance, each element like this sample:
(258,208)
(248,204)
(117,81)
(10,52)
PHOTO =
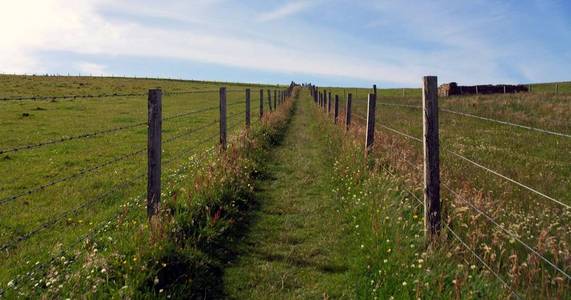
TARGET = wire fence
(558,265)
(190,134)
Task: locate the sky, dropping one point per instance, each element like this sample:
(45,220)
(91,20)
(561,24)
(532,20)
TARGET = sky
(327,42)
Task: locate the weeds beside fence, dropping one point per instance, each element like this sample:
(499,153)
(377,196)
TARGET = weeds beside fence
(496,245)
(15,251)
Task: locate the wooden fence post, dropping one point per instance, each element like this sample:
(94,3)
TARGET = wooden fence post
(275,99)
(270,101)
(248,108)
(432,212)
(375,89)
(329,103)
(223,118)
(261,103)
(370,134)
(348,111)
(154,152)
(323,106)
(336,111)
(557,88)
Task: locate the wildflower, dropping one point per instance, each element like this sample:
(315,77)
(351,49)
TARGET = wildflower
(404,283)
(11,284)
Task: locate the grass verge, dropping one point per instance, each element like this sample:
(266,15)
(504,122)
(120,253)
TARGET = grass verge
(180,254)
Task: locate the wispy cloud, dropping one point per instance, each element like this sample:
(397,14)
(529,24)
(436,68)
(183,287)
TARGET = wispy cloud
(381,41)
(286,10)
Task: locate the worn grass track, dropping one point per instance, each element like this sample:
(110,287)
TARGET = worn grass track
(295,248)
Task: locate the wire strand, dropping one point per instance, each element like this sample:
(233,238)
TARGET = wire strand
(82,172)
(506,123)
(70,138)
(506,232)
(509,179)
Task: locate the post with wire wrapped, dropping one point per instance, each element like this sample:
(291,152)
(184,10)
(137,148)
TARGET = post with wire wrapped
(248,108)
(154,152)
(223,118)
(432,213)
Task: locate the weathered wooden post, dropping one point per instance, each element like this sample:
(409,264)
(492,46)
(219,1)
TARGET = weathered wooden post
(329,103)
(370,134)
(477,92)
(223,118)
(557,88)
(375,89)
(505,89)
(432,214)
(154,152)
(336,111)
(270,101)
(275,99)
(324,100)
(348,111)
(261,103)
(248,108)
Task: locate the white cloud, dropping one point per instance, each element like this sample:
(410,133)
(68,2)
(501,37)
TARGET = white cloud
(223,32)
(286,10)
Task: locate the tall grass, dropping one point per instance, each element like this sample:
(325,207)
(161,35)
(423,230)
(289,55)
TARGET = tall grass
(545,228)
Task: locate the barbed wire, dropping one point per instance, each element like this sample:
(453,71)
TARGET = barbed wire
(82,172)
(40,98)
(87,204)
(70,138)
(189,132)
(190,113)
(94,231)
(200,92)
(98,133)
(63,215)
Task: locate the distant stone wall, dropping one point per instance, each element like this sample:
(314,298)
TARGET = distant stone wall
(451,89)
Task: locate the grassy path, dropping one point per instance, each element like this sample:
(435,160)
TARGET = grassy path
(295,248)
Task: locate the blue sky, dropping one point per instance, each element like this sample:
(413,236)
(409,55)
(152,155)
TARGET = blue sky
(328,42)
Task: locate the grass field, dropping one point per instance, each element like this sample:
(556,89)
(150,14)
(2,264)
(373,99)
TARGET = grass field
(320,200)
(81,201)
(535,159)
